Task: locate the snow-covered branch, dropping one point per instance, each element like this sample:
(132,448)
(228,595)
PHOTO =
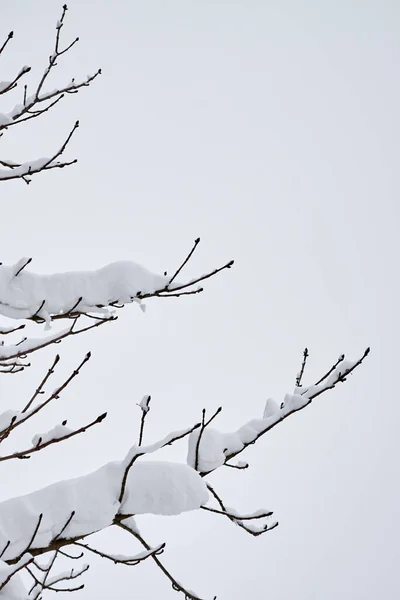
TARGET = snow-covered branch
(242,521)
(68,511)
(43,298)
(210,449)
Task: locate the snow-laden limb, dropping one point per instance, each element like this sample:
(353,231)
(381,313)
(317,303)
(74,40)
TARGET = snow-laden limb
(28,295)
(210,449)
(24,294)
(68,511)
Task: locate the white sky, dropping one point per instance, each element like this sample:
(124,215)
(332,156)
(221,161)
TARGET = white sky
(270,129)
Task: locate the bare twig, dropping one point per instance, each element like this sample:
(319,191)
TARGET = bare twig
(237,520)
(167,291)
(204,424)
(189,256)
(12,84)
(7,330)
(145,408)
(9,37)
(39,389)
(32,539)
(300,375)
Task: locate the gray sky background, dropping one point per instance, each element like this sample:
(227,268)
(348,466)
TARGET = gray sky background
(270,129)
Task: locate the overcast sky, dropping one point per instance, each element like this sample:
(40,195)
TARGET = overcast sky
(270,129)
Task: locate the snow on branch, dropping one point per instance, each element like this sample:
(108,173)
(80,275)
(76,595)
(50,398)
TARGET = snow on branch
(68,511)
(41,298)
(37,103)
(246,522)
(58,434)
(24,170)
(28,346)
(210,449)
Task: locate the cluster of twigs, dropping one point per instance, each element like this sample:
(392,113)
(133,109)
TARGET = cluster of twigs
(37,102)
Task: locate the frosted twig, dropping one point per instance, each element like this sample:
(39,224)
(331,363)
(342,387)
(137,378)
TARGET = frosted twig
(13,352)
(130,561)
(239,520)
(13,84)
(239,466)
(38,103)
(339,360)
(41,446)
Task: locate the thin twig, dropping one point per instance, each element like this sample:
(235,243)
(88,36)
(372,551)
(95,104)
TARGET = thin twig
(204,424)
(300,375)
(189,256)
